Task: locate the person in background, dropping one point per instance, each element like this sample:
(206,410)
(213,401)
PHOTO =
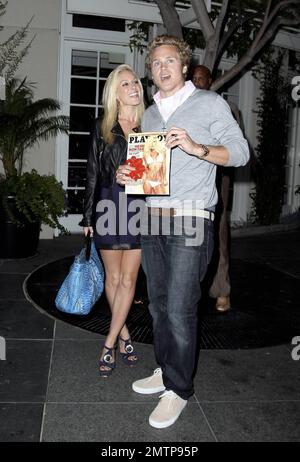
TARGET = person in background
(202,134)
(220,287)
(120,253)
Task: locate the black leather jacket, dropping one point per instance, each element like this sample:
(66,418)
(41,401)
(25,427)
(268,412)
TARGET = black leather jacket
(103,162)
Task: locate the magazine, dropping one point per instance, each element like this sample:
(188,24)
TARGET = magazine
(148,154)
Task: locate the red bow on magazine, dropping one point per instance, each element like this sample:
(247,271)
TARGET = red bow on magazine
(137,164)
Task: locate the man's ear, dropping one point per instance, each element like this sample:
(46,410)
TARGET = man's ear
(184,69)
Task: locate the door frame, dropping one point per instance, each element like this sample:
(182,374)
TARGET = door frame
(62,155)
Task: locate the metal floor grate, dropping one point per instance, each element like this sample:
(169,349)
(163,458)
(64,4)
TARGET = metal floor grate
(265,307)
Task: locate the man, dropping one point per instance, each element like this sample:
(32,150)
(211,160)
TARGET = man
(220,288)
(202,134)
(202,77)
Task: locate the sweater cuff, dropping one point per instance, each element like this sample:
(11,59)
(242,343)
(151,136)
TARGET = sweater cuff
(238,153)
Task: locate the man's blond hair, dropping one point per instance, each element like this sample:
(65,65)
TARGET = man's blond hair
(182,48)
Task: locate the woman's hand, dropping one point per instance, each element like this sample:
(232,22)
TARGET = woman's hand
(122,173)
(88,229)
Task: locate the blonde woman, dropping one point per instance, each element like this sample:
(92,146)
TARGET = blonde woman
(155,181)
(120,252)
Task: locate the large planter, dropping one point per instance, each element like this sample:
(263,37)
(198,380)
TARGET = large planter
(17,240)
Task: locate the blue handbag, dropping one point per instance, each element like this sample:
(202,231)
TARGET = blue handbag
(84,284)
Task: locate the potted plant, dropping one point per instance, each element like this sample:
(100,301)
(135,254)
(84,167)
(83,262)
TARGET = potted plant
(27,199)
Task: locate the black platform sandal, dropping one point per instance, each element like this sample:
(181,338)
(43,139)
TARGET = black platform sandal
(108,362)
(129,353)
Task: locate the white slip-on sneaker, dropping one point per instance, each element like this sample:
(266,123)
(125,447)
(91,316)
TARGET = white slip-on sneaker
(149,385)
(168,410)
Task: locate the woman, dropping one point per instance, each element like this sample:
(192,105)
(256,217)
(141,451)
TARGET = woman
(120,252)
(155,162)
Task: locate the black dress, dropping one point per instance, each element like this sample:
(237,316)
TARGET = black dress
(111,229)
(111,220)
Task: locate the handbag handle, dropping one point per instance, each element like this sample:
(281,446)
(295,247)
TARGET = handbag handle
(88,244)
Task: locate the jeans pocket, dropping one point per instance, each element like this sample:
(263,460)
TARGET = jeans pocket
(191,229)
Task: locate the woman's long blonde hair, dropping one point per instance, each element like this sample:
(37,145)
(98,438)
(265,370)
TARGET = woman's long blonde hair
(110,103)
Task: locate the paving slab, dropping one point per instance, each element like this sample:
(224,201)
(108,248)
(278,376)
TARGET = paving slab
(24,373)
(254,422)
(20,422)
(120,422)
(18,319)
(265,374)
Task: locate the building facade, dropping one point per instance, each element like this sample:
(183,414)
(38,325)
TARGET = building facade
(77,45)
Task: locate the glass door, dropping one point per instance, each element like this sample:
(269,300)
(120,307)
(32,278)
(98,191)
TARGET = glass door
(87,68)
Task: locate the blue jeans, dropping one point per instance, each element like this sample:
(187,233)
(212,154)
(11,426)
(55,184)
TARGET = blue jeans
(174,271)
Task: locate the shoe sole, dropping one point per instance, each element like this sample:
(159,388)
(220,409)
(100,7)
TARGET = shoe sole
(167,423)
(222,309)
(147,391)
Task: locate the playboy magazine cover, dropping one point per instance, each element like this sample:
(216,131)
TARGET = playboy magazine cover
(148,154)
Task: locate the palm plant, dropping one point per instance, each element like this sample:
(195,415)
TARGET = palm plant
(12,51)
(23,124)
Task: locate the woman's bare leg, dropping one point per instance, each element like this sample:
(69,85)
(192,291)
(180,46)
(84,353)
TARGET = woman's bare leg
(160,189)
(147,188)
(124,294)
(121,267)
(112,260)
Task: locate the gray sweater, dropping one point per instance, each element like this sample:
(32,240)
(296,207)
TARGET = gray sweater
(208,120)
